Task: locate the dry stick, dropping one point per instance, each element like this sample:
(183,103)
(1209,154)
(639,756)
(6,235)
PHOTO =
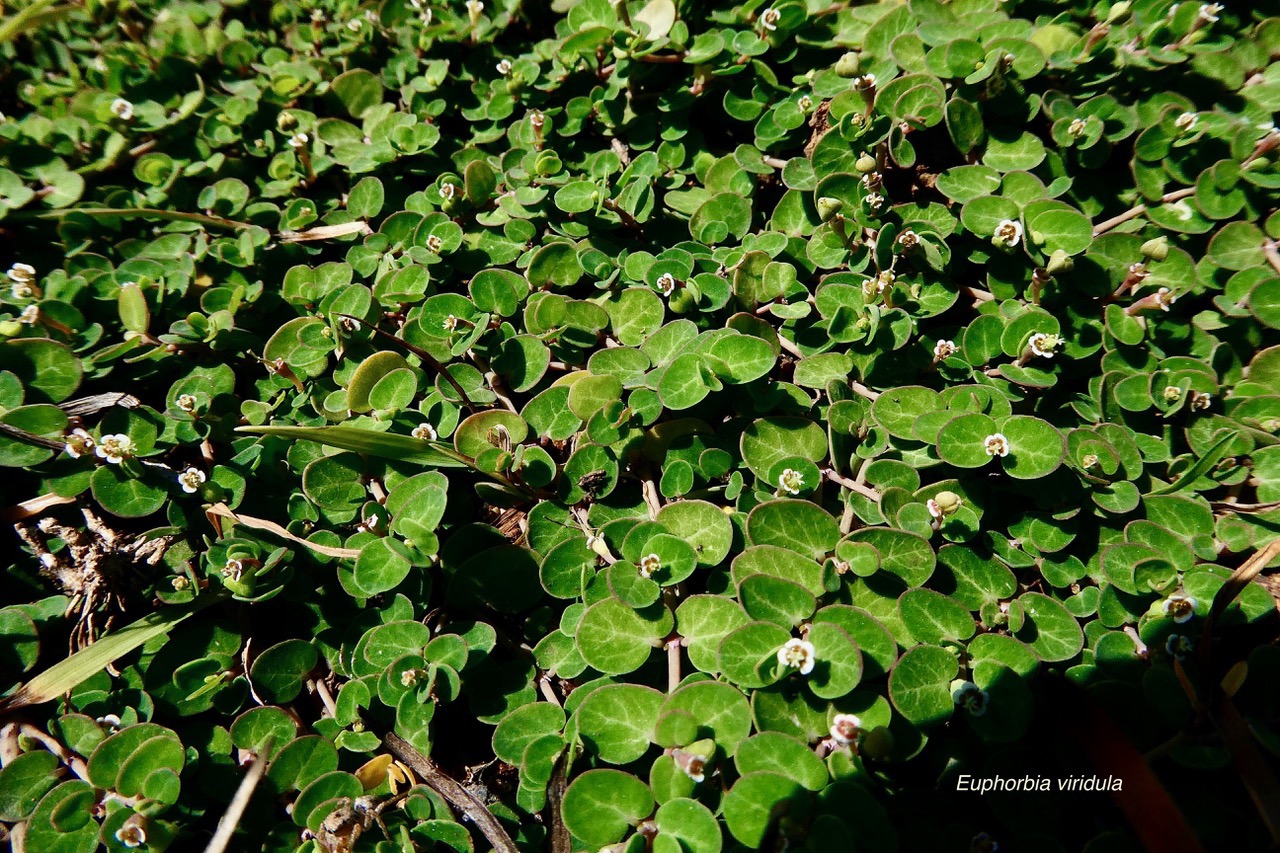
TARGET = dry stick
(447,787)
(65,755)
(31,437)
(33,507)
(864,391)
(561,840)
(852,485)
(673,664)
(235,809)
(1136,211)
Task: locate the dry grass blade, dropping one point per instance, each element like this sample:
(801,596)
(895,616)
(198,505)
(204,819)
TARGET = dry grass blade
(221,510)
(326,232)
(1239,579)
(235,809)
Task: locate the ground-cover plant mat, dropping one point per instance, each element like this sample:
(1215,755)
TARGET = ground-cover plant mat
(639,426)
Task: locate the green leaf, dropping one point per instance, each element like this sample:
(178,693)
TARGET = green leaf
(932,617)
(1237,246)
(617,721)
(751,804)
(601,805)
(701,524)
(358,90)
(920,685)
(616,639)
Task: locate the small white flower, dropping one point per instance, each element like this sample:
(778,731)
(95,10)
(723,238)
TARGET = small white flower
(996,445)
(770,19)
(30,315)
(425,431)
(666,283)
(1179,645)
(908,240)
(426,17)
(179,583)
(114,448)
(845,729)
(805,103)
(355,25)
(299,140)
(1172,394)
(691,764)
(791,481)
(1008,233)
(874,200)
(122,109)
(186,403)
(474,8)
(435,244)
(797,654)
(1089,460)
(1179,607)
(1165,298)
(873,180)
(131,834)
(111,721)
(233,570)
(450,323)
(943,350)
(1186,122)
(504,67)
(22,274)
(1077,128)
(1043,345)
(448,191)
(971,697)
(408,678)
(935,509)
(866,81)
(191,480)
(649,564)
(537,119)
(873,287)
(1200,401)
(79,443)
(1209,12)
(371,16)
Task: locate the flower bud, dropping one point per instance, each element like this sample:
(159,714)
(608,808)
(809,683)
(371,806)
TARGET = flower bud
(1156,250)
(1118,11)
(1059,262)
(829,208)
(849,65)
(948,502)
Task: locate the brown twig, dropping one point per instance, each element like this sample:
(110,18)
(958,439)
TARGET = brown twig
(863,391)
(458,796)
(1137,210)
(561,840)
(852,485)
